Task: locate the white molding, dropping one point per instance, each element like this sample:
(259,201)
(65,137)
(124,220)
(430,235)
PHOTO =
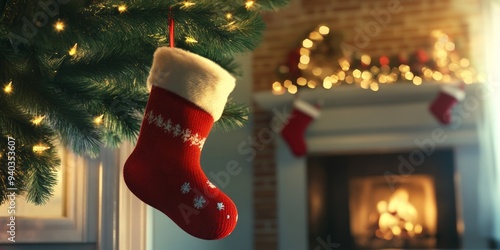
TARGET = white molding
(133,218)
(78,225)
(99,208)
(108,200)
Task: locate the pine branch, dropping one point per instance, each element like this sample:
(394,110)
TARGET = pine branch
(105,75)
(41,176)
(235,115)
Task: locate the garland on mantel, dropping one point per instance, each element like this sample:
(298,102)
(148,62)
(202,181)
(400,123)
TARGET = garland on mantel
(324,61)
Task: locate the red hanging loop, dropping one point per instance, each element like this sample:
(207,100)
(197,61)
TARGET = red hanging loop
(171,28)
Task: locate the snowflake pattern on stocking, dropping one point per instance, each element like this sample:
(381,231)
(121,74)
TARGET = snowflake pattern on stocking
(210,184)
(175,130)
(199,201)
(185,188)
(220,206)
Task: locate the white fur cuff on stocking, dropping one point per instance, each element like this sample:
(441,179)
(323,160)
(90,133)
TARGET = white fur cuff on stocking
(193,77)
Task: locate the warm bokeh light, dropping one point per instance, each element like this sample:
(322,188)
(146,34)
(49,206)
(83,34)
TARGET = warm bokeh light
(301,81)
(305,59)
(315,35)
(447,66)
(59,26)
(307,43)
(403,68)
(464,62)
(341,75)
(98,120)
(409,76)
(37,120)
(122,8)
(324,30)
(437,76)
(366,75)
(8,88)
(327,83)
(417,80)
(344,64)
(382,78)
(317,71)
(366,59)
(311,84)
(40,148)
(277,86)
(302,66)
(187,4)
(292,89)
(249,4)
(418,229)
(72,51)
(356,73)
(191,40)
(449,46)
(349,79)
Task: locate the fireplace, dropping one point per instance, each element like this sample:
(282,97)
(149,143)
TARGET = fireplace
(361,203)
(356,124)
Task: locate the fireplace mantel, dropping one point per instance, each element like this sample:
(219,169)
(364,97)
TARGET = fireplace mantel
(357,119)
(354,120)
(350,95)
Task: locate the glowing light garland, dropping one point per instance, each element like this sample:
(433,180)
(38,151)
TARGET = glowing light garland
(449,67)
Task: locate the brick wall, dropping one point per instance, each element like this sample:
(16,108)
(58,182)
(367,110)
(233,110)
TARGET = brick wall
(409,29)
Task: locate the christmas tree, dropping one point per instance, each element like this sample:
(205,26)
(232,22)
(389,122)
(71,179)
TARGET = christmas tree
(73,73)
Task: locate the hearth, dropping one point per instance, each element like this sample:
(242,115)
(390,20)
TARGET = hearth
(383,200)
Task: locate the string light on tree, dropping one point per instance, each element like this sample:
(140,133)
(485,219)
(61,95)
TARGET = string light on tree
(72,51)
(99,119)
(92,64)
(231,26)
(187,4)
(37,120)
(40,148)
(191,40)
(8,88)
(59,26)
(122,8)
(249,4)
(84,61)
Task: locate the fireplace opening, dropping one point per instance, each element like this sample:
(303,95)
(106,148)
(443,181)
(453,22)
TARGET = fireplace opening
(382,217)
(362,201)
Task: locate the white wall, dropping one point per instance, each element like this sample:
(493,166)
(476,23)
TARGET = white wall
(220,148)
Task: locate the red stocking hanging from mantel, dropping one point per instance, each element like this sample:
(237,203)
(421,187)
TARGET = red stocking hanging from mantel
(294,130)
(448,97)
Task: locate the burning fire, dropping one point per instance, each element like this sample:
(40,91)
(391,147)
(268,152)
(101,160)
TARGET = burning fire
(398,217)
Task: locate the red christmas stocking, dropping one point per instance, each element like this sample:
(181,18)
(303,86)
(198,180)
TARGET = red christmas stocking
(447,98)
(294,130)
(188,93)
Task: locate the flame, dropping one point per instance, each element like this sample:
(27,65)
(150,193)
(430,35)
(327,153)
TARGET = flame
(398,216)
